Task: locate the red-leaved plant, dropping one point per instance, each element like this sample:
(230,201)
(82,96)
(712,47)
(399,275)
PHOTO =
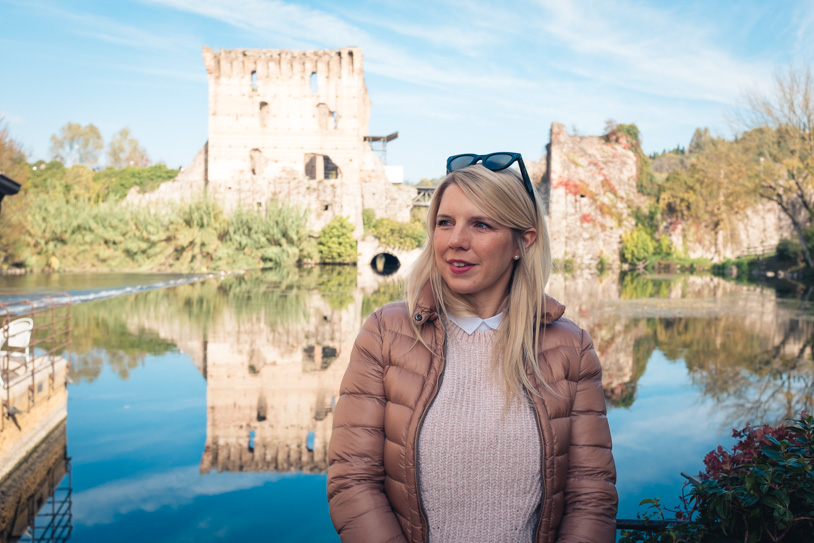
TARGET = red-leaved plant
(760,491)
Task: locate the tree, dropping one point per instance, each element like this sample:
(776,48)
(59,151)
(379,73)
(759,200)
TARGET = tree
(12,158)
(125,150)
(77,144)
(699,139)
(782,141)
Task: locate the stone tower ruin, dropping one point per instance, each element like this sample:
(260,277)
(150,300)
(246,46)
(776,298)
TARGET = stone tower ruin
(291,126)
(276,109)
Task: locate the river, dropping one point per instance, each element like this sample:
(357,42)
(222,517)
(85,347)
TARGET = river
(200,409)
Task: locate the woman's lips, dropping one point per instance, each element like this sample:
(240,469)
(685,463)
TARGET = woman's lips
(459,266)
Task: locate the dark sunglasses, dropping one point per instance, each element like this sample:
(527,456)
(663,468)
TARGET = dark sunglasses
(494,162)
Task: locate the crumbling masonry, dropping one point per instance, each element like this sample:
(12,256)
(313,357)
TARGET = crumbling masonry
(289,125)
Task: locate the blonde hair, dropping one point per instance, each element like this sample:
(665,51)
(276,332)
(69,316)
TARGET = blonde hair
(502,195)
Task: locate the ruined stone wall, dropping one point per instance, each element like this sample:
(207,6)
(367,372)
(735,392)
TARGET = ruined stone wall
(288,125)
(755,231)
(591,186)
(264,113)
(590,189)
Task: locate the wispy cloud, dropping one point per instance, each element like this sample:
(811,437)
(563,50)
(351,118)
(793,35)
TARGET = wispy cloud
(173,488)
(292,22)
(10,118)
(647,49)
(115,32)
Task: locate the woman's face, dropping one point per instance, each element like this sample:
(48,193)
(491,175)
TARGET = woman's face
(474,253)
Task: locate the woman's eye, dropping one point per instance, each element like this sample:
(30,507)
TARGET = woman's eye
(442,222)
(482,225)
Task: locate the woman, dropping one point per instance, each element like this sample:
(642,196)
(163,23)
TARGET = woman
(451,425)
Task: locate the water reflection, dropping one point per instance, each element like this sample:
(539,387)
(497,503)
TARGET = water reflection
(273,348)
(745,349)
(35,499)
(230,384)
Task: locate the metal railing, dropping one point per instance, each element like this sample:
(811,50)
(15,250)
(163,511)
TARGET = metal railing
(424,196)
(29,351)
(53,522)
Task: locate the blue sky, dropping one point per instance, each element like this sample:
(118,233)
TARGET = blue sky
(450,76)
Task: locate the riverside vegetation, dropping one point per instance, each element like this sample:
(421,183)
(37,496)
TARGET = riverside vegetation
(72,218)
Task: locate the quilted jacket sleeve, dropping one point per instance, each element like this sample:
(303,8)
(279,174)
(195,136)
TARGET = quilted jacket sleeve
(590,492)
(359,508)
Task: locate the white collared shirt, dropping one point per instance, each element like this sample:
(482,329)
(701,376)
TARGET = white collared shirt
(471,325)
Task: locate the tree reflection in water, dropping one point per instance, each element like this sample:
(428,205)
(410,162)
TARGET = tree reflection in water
(264,339)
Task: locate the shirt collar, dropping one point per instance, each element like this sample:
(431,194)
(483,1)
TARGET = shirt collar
(471,325)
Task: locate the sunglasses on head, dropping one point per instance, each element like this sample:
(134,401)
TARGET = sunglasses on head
(494,162)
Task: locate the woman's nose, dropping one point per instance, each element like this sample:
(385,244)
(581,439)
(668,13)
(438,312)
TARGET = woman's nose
(459,238)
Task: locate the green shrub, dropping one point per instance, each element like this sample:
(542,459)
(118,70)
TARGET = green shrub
(637,246)
(394,234)
(368,218)
(398,235)
(336,243)
(788,250)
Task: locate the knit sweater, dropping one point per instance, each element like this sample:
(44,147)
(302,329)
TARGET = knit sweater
(478,461)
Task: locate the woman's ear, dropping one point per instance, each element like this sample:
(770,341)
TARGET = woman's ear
(528,237)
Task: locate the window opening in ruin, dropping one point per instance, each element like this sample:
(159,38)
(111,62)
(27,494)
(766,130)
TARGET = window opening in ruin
(314,83)
(251,441)
(326,207)
(331,169)
(323,117)
(350,57)
(335,118)
(265,112)
(321,167)
(262,408)
(254,81)
(256,161)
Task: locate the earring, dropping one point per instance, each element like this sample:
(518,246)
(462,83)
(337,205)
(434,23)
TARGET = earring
(517,257)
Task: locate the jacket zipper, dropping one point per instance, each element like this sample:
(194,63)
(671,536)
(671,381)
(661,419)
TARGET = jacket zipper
(424,521)
(542,468)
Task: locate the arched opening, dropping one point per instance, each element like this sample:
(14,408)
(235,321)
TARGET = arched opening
(314,83)
(254,81)
(321,167)
(335,118)
(323,117)
(256,161)
(265,112)
(385,264)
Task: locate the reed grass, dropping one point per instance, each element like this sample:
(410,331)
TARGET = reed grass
(60,234)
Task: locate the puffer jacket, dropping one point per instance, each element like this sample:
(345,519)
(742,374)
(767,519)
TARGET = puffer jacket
(390,382)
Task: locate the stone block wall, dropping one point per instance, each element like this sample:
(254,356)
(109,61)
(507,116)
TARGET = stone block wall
(272,108)
(288,125)
(590,189)
(755,231)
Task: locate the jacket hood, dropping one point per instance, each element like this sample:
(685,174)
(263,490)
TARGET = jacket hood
(426,308)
